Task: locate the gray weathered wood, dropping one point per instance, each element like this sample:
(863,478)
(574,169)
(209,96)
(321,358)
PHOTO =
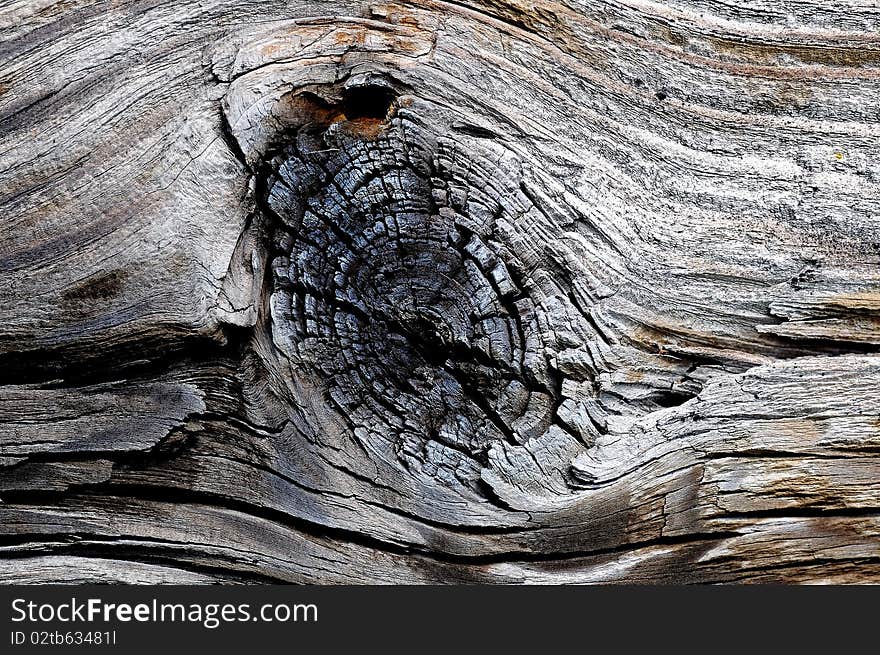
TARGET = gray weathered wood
(402,292)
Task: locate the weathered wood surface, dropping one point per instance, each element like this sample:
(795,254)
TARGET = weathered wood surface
(440,292)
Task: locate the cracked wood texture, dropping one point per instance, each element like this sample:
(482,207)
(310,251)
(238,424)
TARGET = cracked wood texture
(480,291)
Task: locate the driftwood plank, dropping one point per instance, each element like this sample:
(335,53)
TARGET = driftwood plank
(439,292)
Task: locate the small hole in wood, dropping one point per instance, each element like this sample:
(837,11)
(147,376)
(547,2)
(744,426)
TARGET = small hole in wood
(370,101)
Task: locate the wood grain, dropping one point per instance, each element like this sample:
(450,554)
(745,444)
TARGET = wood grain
(483,291)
